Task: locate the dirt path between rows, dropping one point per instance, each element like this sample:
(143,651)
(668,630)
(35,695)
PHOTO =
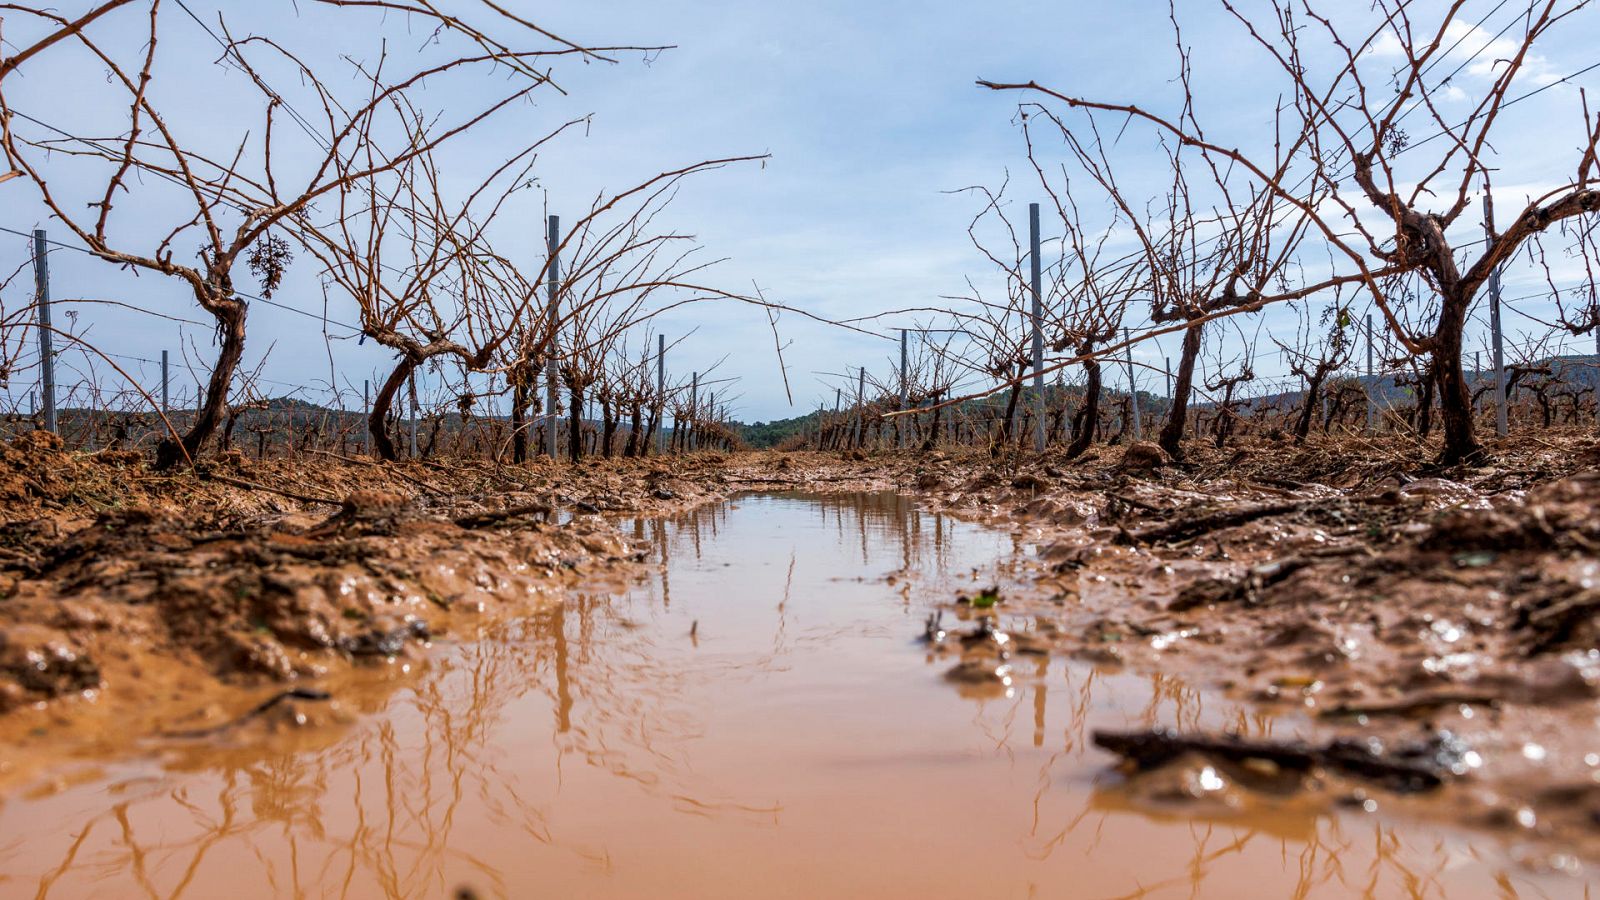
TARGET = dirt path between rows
(1444,623)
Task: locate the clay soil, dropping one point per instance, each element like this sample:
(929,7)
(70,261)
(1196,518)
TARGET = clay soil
(1341,582)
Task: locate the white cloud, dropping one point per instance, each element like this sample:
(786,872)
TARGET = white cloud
(1474,50)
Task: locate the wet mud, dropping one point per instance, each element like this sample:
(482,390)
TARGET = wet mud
(1391,609)
(792,732)
(138,606)
(1320,669)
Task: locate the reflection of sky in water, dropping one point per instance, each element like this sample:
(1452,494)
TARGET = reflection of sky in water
(756,720)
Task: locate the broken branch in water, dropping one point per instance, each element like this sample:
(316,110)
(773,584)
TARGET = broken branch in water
(540,511)
(251,486)
(1195,526)
(1246,589)
(262,707)
(1416,704)
(1407,768)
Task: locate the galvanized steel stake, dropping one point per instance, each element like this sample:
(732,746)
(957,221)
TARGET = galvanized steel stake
(1133,387)
(905,390)
(661,393)
(47,356)
(1501,426)
(1038,330)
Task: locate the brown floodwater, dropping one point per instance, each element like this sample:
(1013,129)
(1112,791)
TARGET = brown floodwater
(755,719)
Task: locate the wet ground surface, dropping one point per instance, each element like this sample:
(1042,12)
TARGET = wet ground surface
(756,718)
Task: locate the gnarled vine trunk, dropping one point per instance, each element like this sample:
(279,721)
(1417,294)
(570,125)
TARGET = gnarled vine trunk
(1088,414)
(377,418)
(523,390)
(1171,439)
(230,315)
(608,431)
(575,433)
(1004,437)
(1455,402)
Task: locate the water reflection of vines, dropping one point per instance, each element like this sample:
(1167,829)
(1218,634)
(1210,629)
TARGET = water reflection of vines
(399,805)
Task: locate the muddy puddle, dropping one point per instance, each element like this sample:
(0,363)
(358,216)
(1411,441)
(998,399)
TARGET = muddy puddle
(755,719)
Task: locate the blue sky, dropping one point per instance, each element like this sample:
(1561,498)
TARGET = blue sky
(869,112)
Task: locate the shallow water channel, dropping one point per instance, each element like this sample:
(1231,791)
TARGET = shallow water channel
(755,719)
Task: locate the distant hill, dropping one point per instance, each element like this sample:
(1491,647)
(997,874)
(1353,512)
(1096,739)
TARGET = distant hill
(1581,370)
(763,435)
(281,416)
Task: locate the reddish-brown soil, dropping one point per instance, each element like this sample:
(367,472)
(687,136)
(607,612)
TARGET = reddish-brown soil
(1340,580)
(1396,607)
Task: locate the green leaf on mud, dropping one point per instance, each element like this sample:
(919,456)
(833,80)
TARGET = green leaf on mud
(986,598)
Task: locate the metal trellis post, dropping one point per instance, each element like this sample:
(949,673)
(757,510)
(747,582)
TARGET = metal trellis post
(694,410)
(1501,425)
(551,400)
(861,409)
(905,389)
(47,357)
(415,408)
(1133,387)
(552,242)
(1038,329)
(661,393)
(1368,383)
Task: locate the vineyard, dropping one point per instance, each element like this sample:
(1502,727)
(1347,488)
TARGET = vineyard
(370,415)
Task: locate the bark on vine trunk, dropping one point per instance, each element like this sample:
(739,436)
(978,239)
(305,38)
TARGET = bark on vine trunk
(1302,425)
(1088,414)
(1425,403)
(1005,425)
(609,427)
(1455,403)
(522,392)
(1171,439)
(1226,417)
(230,322)
(377,419)
(632,449)
(933,430)
(575,433)
(650,432)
